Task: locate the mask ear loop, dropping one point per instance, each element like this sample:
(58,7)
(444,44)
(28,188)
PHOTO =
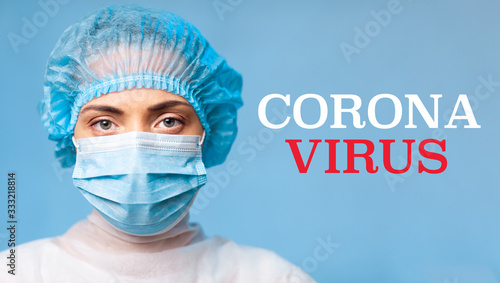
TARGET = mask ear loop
(74,142)
(202,138)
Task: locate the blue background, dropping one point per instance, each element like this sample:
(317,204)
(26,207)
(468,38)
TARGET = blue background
(424,228)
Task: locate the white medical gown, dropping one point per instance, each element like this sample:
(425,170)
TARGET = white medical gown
(93,251)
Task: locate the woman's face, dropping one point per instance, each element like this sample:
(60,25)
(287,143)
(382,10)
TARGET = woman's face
(142,110)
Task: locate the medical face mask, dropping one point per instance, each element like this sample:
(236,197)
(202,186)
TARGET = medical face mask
(141,183)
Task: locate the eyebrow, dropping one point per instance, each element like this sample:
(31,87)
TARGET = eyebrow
(167,104)
(102,108)
(157,107)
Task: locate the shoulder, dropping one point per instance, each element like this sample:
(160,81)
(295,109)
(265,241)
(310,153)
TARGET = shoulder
(29,256)
(250,264)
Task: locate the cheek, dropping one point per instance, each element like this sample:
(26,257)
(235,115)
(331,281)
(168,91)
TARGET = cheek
(80,131)
(195,129)
(195,126)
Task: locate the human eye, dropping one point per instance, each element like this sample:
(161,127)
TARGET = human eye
(103,125)
(170,124)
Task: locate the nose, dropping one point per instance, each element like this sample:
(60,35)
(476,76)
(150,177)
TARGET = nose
(137,123)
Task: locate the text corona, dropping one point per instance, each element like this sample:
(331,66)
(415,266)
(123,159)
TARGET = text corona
(338,109)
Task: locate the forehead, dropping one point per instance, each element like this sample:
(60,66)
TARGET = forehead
(135,96)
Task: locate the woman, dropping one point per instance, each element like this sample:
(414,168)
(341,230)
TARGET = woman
(139,103)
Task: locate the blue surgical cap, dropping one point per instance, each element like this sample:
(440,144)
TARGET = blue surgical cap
(124,47)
